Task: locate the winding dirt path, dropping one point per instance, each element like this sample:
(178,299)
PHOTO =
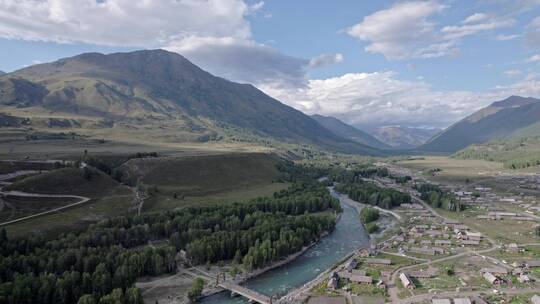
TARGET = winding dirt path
(81,201)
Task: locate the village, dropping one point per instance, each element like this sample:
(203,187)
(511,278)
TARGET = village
(489,253)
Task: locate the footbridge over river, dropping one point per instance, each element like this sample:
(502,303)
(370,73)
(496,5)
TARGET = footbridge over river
(221,281)
(245,292)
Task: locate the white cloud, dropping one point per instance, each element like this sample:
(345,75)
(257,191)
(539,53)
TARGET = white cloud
(477,17)
(138,23)
(534,58)
(325,59)
(458,32)
(512,72)
(503,37)
(406,31)
(214,34)
(256,6)
(398,31)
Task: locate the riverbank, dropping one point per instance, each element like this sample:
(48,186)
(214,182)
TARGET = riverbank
(387,221)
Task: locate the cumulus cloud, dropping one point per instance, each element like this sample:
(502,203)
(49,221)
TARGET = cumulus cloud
(405,30)
(325,59)
(139,23)
(398,31)
(381,98)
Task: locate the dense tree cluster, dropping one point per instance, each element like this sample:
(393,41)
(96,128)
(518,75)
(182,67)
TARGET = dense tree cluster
(291,172)
(369,193)
(372,228)
(101,264)
(438,198)
(196,290)
(369,215)
(357,175)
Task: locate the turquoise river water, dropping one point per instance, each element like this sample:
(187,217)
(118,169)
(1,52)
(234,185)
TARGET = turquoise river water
(348,236)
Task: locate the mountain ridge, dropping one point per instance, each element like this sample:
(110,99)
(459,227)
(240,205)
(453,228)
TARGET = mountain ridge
(162,85)
(349,132)
(499,120)
(404,138)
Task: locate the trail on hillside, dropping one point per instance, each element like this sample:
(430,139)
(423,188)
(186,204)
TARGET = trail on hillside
(82,200)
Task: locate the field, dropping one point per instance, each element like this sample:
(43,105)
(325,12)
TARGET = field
(453,170)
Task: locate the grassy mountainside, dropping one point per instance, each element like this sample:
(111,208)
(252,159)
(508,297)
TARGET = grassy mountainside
(403,137)
(349,132)
(160,89)
(514,153)
(500,120)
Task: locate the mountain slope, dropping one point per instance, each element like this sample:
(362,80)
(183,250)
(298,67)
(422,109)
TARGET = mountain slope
(514,153)
(157,85)
(349,132)
(499,120)
(399,137)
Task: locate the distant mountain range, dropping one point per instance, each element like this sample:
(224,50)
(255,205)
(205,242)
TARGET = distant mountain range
(2,72)
(509,118)
(349,132)
(400,137)
(159,90)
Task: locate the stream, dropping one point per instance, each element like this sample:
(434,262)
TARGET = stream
(347,236)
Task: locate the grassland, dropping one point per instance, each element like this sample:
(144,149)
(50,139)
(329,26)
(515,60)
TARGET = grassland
(452,170)
(179,181)
(89,182)
(75,218)
(24,206)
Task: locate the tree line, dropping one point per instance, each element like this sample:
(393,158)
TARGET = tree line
(101,263)
(369,193)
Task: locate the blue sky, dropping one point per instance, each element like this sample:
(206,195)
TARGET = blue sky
(369,63)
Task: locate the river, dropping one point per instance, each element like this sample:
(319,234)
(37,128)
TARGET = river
(347,236)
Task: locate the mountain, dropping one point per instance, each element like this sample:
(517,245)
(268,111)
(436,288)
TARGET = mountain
(2,73)
(500,120)
(399,137)
(349,132)
(164,93)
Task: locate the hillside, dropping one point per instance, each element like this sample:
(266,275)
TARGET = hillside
(349,132)
(399,137)
(500,120)
(88,182)
(156,89)
(206,173)
(514,153)
(203,178)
